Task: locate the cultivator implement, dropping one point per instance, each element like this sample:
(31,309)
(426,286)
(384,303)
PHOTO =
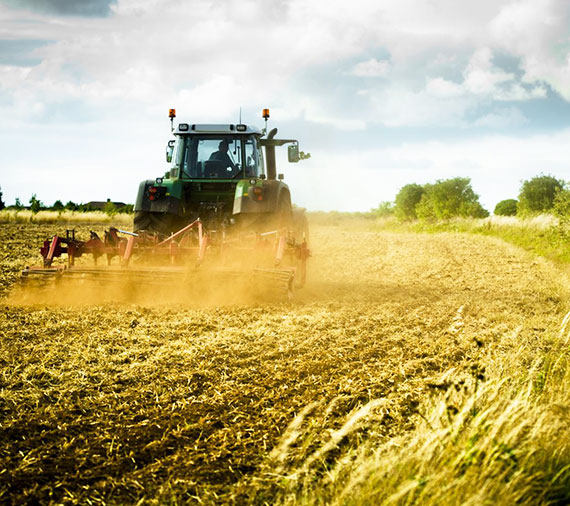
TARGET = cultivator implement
(192,258)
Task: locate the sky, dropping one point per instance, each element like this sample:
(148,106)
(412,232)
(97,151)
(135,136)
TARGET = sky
(382,93)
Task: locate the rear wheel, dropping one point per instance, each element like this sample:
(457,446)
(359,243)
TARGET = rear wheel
(284,213)
(163,223)
(301,231)
(300,226)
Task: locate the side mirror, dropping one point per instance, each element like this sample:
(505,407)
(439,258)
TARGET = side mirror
(293,153)
(169,150)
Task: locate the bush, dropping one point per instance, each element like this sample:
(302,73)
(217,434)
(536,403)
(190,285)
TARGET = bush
(58,206)
(86,208)
(506,207)
(110,209)
(561,207)
(407,199)
(383,210)
(35,204)
(450,198)
(537,194)
(2,205)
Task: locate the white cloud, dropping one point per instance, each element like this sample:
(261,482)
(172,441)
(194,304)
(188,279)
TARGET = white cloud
(170,50)
(209,58)
(537,32)
(399,106)
(502,118)
(481,76)
(371,68)
(440,87)
(12,77)
(484,81)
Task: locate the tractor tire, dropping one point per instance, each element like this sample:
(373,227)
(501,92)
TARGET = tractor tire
(163,223)
(284,213)
(301,231)
(300,226)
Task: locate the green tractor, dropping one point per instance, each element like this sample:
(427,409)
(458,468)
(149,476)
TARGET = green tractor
(220,217)
(220,174)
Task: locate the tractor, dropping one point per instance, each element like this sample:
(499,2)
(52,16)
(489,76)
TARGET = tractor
(220,174)
(221,213)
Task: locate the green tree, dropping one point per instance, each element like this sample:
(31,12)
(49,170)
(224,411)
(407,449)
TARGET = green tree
(35,204)
(425,209)
(18,204)
(2,205)
(506,207)
(58,206)
(110,208)
(407,199)
(450,198)
(85,208)
(71,206)
(537,194)
(561,207)
(126,209)
(383,210)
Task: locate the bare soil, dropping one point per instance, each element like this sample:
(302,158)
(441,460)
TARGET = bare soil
(123,403)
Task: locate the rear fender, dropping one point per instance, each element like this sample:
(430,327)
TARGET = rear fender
(246,203)
(167,200)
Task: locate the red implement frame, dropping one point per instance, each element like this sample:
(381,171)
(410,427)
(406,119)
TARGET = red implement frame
(193,243)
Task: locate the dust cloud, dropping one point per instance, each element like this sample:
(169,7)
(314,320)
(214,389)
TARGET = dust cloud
(154,288)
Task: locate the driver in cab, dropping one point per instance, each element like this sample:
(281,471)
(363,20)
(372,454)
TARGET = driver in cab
(222,156)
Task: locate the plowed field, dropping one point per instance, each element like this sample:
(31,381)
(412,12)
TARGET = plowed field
(126,403)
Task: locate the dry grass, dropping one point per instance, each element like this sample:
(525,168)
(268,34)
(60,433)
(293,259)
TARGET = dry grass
(485,439)
(537,222)
(70,217)
(413,369)
(541,221)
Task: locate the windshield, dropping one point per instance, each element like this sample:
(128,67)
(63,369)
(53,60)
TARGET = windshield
(215,157)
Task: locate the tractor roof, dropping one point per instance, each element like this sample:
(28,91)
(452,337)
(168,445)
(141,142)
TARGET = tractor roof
(189,129)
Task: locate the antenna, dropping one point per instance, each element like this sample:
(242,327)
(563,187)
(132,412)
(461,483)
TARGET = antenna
(240,115)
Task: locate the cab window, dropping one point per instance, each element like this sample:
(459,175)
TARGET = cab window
(251,158)
(216,157)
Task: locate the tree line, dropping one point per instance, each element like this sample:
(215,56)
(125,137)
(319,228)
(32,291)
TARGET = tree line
(541,194)
(442,200)
(451,198)
(36,205)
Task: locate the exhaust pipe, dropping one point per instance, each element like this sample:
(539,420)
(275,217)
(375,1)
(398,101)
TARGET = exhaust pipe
(270,157)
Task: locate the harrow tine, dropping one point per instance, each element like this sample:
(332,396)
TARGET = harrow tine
(128,251)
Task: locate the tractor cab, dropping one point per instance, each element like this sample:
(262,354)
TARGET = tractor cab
(214,152)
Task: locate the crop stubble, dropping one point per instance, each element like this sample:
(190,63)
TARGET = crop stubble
(118,403)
